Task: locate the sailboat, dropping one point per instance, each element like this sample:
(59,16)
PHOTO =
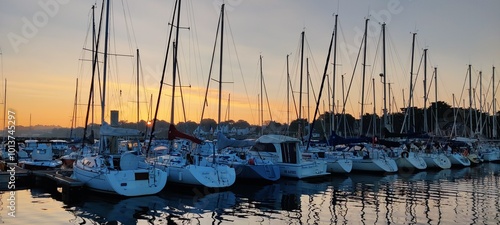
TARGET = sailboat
(125,174)
(186,166)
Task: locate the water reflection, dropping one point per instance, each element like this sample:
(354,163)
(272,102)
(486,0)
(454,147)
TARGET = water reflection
(455,196)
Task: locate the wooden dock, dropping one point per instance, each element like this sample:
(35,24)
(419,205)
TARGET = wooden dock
(60,177)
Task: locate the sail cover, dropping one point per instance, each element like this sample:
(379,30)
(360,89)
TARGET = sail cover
(223,142)
(173,133)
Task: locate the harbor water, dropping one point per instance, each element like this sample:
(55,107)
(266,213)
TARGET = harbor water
(454,196)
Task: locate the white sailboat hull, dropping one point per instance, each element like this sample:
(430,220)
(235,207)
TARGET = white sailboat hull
(339,166)
(134,182)
(386,165)
(303,170)
(411,160)
(436,161)
(219,177)
(458,160)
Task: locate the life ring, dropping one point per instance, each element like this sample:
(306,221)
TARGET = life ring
(404,154)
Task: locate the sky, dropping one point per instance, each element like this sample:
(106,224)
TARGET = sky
(45,49)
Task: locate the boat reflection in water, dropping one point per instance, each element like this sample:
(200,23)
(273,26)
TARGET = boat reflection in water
(468,195)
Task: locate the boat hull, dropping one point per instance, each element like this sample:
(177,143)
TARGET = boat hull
(219,177)
(375,165)
(126,182)
(257,172)
(458,160)
(303,170)
(339,166)
(410,160)
(436,161)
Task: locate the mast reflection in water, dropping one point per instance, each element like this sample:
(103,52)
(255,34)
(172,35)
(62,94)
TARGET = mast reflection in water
(455,196)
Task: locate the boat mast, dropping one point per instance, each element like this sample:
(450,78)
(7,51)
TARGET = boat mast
(410,126)
(425,91)
(479,126)
(316,110)
(287,93)
(384,76)
(363,79)
(470,99)
(174,69)
(494,107)
(161,80)
(301,125)
(220,63)
(137,88)
(106,37)
(75,107)
(261,112)
(374,118)
(332,119)
(436,127)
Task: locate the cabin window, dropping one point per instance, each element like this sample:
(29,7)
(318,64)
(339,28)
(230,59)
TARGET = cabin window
(289,152)
(263,147)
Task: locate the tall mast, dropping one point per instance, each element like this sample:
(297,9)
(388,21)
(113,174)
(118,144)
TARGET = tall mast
(220,63)
(307,87)
(261,98)
(374,109)
(436,127)
(425,91)
(343,111)
(470,98)
(363,79)
(161,81)
(75,107)
(137,88)
(301,126)
(332,120)
(480,102)
(106,37)
(384,75)
(410,126)
(287,93)
(494,107)
(174,68)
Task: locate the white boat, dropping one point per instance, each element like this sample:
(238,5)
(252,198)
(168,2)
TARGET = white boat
(60,147)
(235,154)
(368,158)
(188,167)
(336,161)
(41,158)
(488,152)
(124,174)
(286,153)
(408,158)
(436,160)
(457,156)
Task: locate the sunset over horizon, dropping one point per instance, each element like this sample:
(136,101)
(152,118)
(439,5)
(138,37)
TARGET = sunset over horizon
(46,46)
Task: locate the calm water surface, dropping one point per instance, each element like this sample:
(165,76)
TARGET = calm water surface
(456,196)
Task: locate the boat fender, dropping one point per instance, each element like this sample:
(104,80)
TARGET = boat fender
(404,154)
